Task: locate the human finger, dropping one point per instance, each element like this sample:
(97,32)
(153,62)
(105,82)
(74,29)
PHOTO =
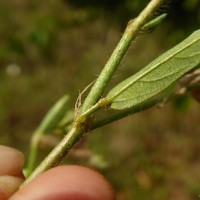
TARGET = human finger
(67,182)
(12,161)
(9,185)
(11,176)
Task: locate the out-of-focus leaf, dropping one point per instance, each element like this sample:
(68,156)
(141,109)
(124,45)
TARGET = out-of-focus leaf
(55,114)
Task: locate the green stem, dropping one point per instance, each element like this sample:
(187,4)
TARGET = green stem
(88,107)
(134,26)
(59,152)
(49,122)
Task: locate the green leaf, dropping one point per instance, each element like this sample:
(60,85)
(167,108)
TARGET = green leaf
(154,22)
(157,75)
(54,115)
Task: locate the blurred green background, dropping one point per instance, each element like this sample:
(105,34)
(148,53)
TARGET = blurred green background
(51,48)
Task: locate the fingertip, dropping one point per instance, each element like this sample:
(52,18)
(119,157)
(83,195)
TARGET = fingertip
(9,185)
(13,161)
(67,182)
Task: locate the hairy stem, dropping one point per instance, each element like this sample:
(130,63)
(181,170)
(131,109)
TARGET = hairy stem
(49,122)
(58,153)
(88,107)
(134,26)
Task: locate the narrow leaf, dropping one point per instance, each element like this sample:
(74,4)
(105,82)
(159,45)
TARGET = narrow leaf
(157,75)
(54,115)
(154,22)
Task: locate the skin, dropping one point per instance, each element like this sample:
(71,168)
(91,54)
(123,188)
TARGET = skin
(64,182)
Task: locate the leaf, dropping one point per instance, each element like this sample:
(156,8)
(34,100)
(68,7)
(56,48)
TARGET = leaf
(54,115)
(154,22)
(157,75)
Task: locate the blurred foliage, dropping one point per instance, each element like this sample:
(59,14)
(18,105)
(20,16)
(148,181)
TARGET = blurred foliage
(124,10)
(50,48)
